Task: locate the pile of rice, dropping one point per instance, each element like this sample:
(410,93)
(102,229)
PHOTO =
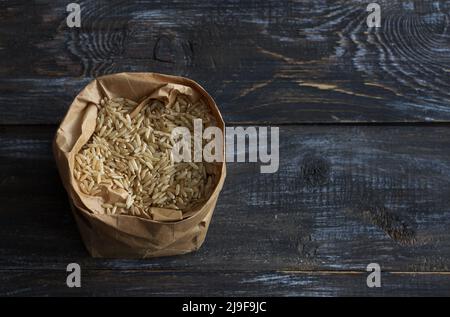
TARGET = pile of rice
(132,156)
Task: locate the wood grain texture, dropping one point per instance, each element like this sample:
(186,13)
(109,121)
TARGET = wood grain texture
(344,196)
(150,283)
(350,190)
(264,61)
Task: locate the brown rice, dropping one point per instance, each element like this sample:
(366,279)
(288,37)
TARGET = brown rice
(130,154)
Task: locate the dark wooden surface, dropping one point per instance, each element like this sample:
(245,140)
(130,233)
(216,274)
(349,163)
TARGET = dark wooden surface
(364,143)
(265,61)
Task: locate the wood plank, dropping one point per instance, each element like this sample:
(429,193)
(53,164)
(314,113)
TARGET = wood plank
(263,61)
(148,283)
(344,196)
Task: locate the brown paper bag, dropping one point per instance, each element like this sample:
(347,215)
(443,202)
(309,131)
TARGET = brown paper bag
(126,236)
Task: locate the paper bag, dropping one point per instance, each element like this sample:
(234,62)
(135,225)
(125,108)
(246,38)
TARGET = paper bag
(126,236)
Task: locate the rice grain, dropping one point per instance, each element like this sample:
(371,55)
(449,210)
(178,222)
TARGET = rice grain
(132,154)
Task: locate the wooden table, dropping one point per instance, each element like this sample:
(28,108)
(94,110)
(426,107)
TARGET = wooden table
(364,143)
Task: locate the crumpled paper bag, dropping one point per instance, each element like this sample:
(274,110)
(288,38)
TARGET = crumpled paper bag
(125,236)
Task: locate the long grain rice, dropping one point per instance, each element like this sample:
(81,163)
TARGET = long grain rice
(131,155)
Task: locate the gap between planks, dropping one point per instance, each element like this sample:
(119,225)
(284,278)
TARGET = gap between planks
(291,272)
(284,124)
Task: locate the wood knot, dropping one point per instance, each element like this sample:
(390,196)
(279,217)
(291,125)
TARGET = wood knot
(172,50)
(315,170)
(396,226)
